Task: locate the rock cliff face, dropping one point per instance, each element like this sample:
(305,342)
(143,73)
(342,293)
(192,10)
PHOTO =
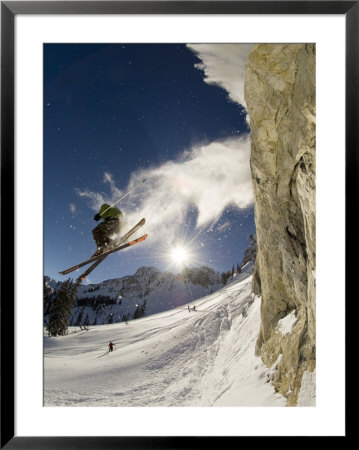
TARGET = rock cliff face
(280,96)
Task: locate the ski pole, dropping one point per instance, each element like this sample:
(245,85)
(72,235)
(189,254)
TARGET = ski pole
(125,195)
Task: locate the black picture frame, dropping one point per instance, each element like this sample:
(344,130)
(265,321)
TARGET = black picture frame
(9,9)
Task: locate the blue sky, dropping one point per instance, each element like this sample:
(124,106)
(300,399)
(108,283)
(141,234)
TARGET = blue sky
(115,114)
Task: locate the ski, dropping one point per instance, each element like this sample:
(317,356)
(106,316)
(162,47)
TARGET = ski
(116,247)
(99,260)
(81,278)
(105,254)
(101,257)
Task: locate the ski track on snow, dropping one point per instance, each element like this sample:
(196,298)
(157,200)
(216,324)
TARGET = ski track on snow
(174,358)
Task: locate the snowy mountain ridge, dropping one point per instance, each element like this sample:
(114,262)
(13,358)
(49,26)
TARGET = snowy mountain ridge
(251,251)
(149,291)
(116,300)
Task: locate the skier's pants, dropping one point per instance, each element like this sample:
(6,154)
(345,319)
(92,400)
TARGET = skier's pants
(106,231)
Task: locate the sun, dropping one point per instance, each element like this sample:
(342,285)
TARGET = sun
(179,255)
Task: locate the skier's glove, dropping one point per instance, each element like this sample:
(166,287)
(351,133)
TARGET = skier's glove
(97,217)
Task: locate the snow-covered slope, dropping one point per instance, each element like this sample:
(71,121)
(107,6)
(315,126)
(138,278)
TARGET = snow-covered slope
(174,358)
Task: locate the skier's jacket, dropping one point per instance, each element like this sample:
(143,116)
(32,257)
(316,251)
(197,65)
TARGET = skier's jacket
(106,212)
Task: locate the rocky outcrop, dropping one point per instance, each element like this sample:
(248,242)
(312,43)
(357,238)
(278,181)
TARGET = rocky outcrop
(280,96)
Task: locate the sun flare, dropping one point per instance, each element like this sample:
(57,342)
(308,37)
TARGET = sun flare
(179,255)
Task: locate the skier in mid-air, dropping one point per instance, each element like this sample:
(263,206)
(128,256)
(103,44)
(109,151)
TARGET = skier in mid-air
(110,346)
(107,231)
(106,236)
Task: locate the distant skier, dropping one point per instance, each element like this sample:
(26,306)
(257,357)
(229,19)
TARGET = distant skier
(194,307)
(110,346)
(107,230)
(189,309)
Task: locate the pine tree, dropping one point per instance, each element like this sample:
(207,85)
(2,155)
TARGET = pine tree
(48,294)
(61,309)
(137,311)
(125,318)
(87,321)
(140,310)
(143,309)
(79,319)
